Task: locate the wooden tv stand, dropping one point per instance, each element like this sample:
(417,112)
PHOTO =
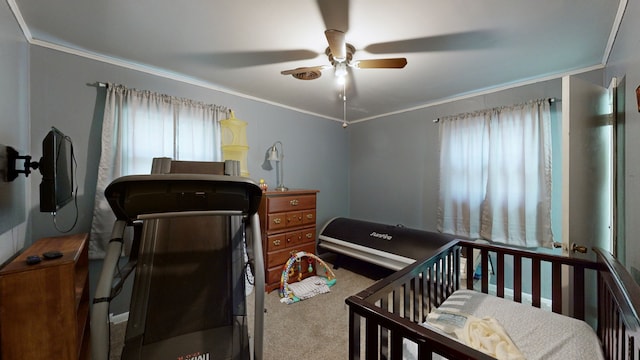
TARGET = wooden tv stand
(44,308)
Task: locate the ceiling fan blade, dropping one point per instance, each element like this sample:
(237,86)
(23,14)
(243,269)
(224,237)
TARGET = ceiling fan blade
(234,60)
(394,63)
(335,14)
(468,40)
(337,44)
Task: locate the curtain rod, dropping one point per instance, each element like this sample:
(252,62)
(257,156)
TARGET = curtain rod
(551,101)
(104,85)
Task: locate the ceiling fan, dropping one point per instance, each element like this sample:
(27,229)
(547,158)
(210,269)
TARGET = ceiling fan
(340,55)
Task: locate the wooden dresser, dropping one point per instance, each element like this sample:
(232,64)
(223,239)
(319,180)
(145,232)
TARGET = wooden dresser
(288,223)
(44,308)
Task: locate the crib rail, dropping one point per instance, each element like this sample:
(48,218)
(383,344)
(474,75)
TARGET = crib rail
(384,315)
(560,266)
(619,299)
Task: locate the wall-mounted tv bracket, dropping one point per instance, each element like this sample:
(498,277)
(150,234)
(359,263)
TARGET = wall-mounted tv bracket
(12,171)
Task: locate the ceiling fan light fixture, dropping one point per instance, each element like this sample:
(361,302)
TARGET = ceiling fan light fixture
(341,72)
(344,106)
(341,69)
(307,75)
(339,59)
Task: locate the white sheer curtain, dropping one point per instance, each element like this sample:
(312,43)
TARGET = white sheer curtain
(140,125)
(495,175)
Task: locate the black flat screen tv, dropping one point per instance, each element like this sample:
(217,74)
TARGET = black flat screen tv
(56,167)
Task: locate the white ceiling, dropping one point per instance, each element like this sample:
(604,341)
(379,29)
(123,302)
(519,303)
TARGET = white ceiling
(453,48)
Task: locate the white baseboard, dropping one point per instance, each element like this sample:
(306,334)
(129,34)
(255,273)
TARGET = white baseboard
(545,304)
(120,318)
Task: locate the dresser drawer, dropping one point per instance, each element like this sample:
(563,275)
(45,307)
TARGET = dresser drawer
(276,221)
(278,259)
(291,203)
(294,219)
(291,219)
(276,242)
(309,216)
(308,235)
(290,239)
(288,223)
(274,276)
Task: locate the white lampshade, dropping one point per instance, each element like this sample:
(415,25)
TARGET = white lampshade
(273,154)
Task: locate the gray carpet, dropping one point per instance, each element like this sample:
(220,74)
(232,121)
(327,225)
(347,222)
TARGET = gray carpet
(315,328)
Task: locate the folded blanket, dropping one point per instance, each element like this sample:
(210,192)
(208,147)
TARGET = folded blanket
(488,336)
(483,334)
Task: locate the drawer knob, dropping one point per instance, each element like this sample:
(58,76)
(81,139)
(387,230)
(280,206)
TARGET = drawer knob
(309,216)
(277,220)
(309,235)
(294,202)
(276,242)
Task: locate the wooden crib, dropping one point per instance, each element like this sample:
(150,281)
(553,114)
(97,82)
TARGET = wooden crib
(387,315)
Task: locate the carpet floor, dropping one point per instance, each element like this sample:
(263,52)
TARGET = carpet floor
(316,328)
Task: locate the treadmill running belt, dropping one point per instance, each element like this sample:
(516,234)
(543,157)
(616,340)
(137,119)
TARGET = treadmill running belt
(189,303)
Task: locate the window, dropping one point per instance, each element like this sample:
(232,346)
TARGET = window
(495,175)
(139,126)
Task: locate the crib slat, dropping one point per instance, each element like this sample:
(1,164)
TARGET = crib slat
(409,308)
(579,291)
(417,314)
(456,255)
(485,270)
(619,334)
(396,300)
(440,280)
(396,346)
(517,278)
(556,288)
(371,339)
(500,274)
(605,315)
(451,268)
(468,253)
(426,300)
(436,286)
(424,352)
(384,333)
(535,283)
(354,333)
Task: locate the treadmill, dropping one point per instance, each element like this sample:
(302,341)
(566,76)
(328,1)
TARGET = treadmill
(194,237)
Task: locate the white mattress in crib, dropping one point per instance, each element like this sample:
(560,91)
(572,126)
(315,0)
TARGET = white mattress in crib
(538,334)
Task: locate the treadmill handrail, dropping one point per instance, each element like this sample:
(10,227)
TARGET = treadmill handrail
(191,213)
(132,195)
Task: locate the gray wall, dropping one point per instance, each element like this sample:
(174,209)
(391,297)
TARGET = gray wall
(383,170)
(395,159)
(63,95)
(14,130)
